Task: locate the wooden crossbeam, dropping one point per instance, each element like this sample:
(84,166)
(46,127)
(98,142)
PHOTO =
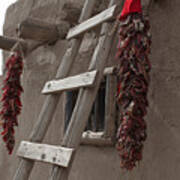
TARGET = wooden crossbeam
(92,22)
(39,30)
(58,155)
(7,43)
(70,83)
(74,82)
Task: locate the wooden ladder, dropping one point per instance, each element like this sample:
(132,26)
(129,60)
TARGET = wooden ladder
(62,156)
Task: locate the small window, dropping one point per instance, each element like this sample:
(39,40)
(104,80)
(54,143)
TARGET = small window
(102,121)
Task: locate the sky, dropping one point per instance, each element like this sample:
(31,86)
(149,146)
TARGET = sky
(3,6)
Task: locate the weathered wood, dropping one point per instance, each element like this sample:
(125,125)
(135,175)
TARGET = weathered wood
(110,106)
(46,115)
(70,83)
(46,153)
(95,139)
(39,30)
(74,82)
(7,43)
(92,22)
(86,98)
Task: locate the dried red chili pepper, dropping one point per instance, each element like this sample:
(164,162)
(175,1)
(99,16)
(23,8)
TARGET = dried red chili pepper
(133,80)
(11,102)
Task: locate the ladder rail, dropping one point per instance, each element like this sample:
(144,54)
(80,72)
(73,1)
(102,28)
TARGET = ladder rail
(40,128)
(85,100)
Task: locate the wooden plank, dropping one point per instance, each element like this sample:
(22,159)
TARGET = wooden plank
(39,30)
(74,82)
(110,106)
(70,83)
(46,115)
(92,22)
(86,98)
(58,155)
(7,43)
(95,139)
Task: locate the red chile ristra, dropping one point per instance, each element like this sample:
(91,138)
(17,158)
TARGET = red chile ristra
(11,103)
(133,81)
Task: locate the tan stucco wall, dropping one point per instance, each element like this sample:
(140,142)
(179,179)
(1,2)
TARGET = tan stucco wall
(162,149)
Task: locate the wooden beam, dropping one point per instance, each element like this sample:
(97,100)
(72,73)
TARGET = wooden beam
(74,82)
(95,139)
(39,30)
(92,22)
(58,155)
(7,43)
(70,83)
(48,109)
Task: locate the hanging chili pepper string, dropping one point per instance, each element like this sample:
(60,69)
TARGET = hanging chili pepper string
(133,75)
(11,102)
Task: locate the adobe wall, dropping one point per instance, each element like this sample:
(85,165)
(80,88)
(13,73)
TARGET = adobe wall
(162,149)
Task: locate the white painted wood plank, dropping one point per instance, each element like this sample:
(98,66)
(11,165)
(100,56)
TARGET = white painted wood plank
(92,22)
(74,82)
(82,80)
(46,153)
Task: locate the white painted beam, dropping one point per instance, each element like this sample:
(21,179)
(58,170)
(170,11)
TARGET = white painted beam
(92,22)
(74,82)
(46,153)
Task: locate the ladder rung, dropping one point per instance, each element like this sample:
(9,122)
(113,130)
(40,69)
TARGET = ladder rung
(74,82)
(92,22)
(46,153)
